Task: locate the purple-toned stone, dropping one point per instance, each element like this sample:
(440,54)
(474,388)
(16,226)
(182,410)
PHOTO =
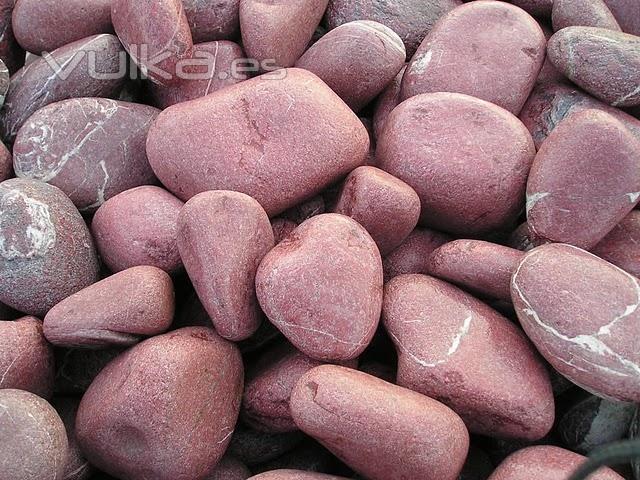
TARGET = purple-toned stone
(213,19)
(412,256)
(627,12)
(621,246)
(11,54)
(574,13)
(288,474)
(387,101)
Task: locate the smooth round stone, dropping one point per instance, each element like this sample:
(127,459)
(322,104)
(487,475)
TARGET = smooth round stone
(222,238)
(585,179)
(605,63)
(139,227)
(582,314)
(550,104)
(572,13)
(26,359)
(156,35)
(386,207)
(37,84)
(288,474)
(328,310)
(412,256)
(627,12)
(550,463)
(487,49)
(538,8)
(229,468)
(11,54)
(594,422)
(90,148)
(467,159)
(77,467)
(46,250)
(44,25)
(164,409)
(277,32)
(77,368)
(480,267)
(380,430)
(213,19)
(387,101)
(219,64)
(412,20)
(621,246)
(254,447)
(117,311)
(6,163)
(455,349)
(357,60)
(256,137)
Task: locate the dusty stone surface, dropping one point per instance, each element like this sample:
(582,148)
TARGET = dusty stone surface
(294,475)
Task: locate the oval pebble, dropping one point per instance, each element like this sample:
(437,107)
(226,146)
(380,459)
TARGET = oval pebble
(375,55)
(90,148)
(46,250)
(584,180)
(288,474)
(213,19)
(605,63)
(254,138)
(380,430)
(117,311)
(573,13)
(26,359)
(412,256)
(621,246)
(164,409)
(467,159)
(498,62)
(440,332)
(44,25)
(582,314)
(329,311)
(76,467)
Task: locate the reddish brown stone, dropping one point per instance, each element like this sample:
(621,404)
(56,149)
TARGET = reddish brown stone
(380,430)
(76,467)
(412,256)
(582,314)
(571,13)
(387,101)
(627,12)
(294,475)
(548,73)
(213,19)
(621,246)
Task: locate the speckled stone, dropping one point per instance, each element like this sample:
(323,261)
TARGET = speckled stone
(229,468)
(139,227)
(37,84)
(585,179)
(77,467)
(621,246)
(44,25)
(288,474)
(487,49)
(380,430)
(627,12)
(222,238)
(412,256)
(282,141)
(605,63)
(480,267)
(581,313)
(90,148)
(6,163)
(34,442)
(117,311)
(328,310)
(386,102)
(165,409)
(213,19)
(26,359)
(572,13)
(467,159)
(357,60)
(454,348)
(46,250)
(10,52)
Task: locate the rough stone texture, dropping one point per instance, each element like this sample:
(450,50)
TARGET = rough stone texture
(627,12)
(412,256)
(156,34)
(357,60)
(37,84)
(44,25)
(222,238)
(582,314)
(550,463)
(26,359)
(387,101)
(454,348)
(328,310)
(46,250)
(294,475)
(139,227)
(6,163)
(380,430)
(605,63)
(412,20)
(277,32)
(573,13)
(117,311)
(280,141)
(77,467)
(229,468)
(254,447)
(487,49)
(219,65)
(213,19)
(386,207)
(165,409)
(34,442)
(10,52)
(76,368)
(480,267)
(467,159)
(621,246)
(585,179)
(90,148)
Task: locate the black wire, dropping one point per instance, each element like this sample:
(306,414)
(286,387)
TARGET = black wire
(611,454)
